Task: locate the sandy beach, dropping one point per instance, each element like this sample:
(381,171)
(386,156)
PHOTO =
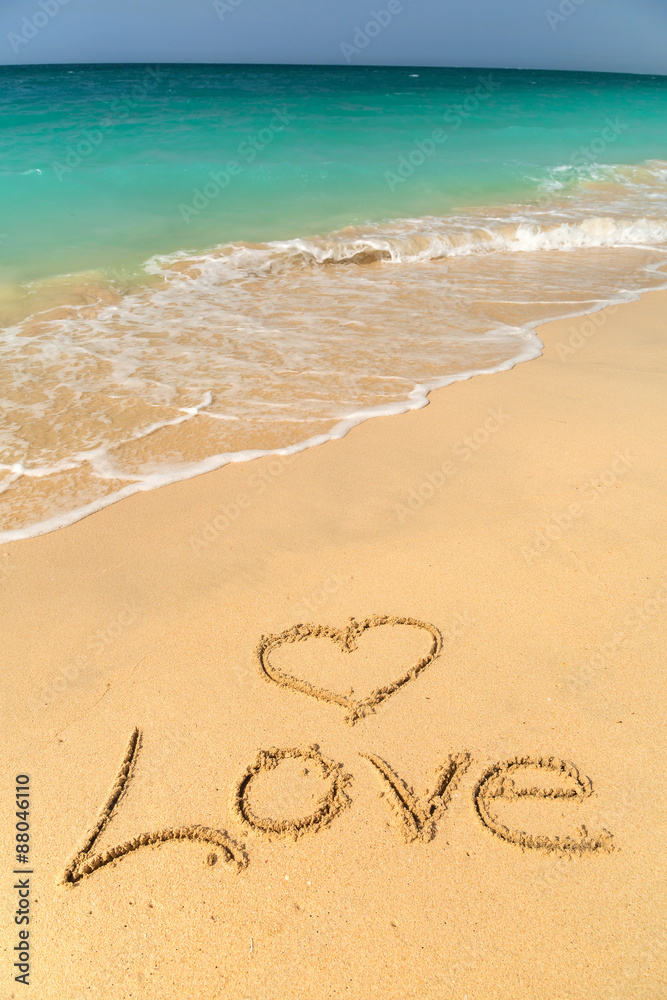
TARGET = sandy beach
(459,794)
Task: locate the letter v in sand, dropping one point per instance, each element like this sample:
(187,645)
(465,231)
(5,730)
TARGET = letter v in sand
(417,816)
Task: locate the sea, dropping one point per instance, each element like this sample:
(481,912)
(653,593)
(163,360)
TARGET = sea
(202,264)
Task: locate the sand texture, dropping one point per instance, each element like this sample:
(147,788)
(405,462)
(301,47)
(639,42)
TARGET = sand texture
(381,720)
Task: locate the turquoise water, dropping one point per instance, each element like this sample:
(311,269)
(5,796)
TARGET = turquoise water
(202,264)
(162,130)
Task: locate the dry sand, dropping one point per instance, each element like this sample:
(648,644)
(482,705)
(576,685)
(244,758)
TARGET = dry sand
(339,814)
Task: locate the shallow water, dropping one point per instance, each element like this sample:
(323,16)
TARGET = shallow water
(159,322)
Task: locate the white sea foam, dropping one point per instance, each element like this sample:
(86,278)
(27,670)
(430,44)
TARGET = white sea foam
(277,347)
(415,240)
(416,399)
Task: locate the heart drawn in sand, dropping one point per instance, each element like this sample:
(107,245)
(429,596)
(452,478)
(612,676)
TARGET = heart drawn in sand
(347,639)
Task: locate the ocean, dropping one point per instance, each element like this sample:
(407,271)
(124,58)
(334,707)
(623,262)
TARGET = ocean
(202,264)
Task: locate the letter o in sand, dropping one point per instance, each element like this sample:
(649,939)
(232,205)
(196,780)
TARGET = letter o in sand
(326,809)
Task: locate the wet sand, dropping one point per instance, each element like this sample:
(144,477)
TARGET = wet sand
(458,794)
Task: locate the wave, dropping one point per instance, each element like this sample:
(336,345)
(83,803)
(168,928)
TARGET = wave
(602,200)
(650,174)
(269,348)
(414,243)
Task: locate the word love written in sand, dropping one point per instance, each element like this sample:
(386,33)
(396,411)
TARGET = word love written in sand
(417,817)
(347,641)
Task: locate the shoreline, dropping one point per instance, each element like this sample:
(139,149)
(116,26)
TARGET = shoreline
(521,517)
(417,398)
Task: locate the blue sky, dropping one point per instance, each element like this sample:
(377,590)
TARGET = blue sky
(605,35)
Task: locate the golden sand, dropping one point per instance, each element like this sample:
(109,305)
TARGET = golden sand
(491,826)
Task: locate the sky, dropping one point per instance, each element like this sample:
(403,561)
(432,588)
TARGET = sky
(626,36)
